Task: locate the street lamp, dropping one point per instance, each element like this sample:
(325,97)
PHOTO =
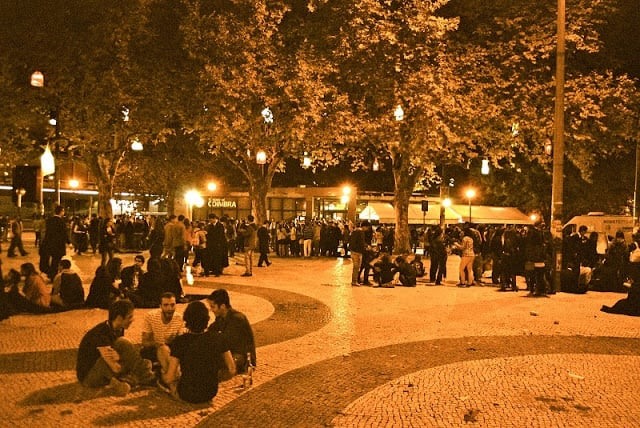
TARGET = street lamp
(484,169)
(193,198)
(136,145)
(398,113)
(212,186)
(37,81)
(470,194)
(261,157)
(306,160)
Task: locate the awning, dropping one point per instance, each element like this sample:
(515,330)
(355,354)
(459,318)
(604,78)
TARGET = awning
(483,214)
(380,211)
(432,216)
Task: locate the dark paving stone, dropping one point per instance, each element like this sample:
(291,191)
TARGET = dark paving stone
(313,396)
(295,315)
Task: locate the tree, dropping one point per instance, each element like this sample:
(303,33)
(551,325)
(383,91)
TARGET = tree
(262,87)
(102,79)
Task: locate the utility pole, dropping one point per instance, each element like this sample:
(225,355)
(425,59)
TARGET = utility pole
(558,150)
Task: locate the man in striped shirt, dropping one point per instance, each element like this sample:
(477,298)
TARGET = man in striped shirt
(161,326)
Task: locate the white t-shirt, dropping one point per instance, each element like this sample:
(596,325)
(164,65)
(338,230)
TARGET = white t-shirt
(162,333)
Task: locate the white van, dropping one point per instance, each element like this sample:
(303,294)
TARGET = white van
(605,225)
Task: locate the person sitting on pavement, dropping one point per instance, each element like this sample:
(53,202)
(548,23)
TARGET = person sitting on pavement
(106,357)
(384,271)
(235,327)
(67,291)
(172,278)
(6,308)
(406,272)
(131,275)
(105,287)
(151,286)
(35,290)
(198,360)
(418,265)
(161,326)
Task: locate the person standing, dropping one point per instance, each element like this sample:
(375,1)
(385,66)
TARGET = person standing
(438,254)
(466,259)
(250,244)
(358,247)
(174,239)
(263,244)
(16,239)
(307,239)
(106,357)
(54,243)
(94,232)
(216,247)
(107,241)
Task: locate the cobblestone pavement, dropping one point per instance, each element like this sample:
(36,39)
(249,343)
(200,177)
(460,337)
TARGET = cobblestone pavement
(334,355)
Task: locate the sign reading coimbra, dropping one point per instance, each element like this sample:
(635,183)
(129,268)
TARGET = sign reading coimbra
(221,203)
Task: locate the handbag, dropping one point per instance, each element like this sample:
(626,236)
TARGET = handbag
(634,255)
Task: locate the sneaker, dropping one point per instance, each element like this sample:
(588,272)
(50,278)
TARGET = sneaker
(246,274)
(355,284)
(118,387)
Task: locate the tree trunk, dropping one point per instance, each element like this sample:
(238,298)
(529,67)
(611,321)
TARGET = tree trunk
(103,169)
(405,176)
(105,192)
(171,200)
(258,190)
(403,191)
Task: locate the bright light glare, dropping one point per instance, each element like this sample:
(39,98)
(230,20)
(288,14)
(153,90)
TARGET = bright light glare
(194,198)
(212,186)
(267,115)
(74,183)
(446,202)
(399,113)
(37,79)
(261,157)
(136,145)
(485,167)
(470,193)
(47,163)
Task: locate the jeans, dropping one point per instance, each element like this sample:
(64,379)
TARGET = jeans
(356,260)
(130,360)
(248,259)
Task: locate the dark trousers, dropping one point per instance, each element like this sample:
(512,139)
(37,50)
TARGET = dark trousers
(264,258)
(438,268)
(16,242)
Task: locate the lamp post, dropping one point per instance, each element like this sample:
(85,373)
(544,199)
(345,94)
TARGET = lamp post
(37,81)
(558,149)
(470,194)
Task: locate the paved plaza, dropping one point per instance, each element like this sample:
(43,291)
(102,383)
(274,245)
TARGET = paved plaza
(330,354)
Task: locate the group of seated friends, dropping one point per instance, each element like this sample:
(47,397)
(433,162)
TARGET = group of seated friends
(181,353)
(402,270)
(27,290)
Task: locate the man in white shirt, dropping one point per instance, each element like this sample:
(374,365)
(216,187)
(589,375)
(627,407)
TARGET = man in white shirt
(161,326)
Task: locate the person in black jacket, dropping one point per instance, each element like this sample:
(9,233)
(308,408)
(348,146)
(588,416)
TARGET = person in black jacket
(105,288)
(263,244)
(234,327)
(54,243)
